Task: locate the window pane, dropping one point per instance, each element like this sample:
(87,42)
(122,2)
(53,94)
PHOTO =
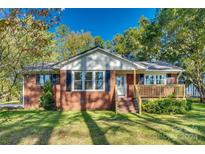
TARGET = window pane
(99,76)
(41,79)
(78,85)
(160,79)
(47,78)
(99,80)
(149,79)
(78,75)
(88,85)
(88,75)
(99,84)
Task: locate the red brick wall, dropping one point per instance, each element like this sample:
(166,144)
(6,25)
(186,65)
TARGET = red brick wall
(130,83)
(70,100)
(76,100)
(32,92)
(175,78)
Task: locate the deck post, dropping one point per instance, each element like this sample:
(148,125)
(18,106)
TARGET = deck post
(184,92)
(134,77)
(136,93)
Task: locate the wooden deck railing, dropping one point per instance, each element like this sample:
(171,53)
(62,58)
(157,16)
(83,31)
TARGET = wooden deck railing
(116,99)
(138,98)
(161,91)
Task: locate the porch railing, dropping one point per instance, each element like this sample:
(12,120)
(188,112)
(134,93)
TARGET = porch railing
(138,98)
(116,99)
(160,91)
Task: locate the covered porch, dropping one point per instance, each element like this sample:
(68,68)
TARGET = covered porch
(150,85)
(134,85)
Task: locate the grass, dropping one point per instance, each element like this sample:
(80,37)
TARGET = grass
(101,127)
(193,100)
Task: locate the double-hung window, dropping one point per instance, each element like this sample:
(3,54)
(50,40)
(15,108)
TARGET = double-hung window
(160,79)
(149,79)
(78,80)
(88,80)
(155,79)
(42,79)
(99,80)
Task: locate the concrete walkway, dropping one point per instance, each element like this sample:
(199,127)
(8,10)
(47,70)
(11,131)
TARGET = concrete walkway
(11,106)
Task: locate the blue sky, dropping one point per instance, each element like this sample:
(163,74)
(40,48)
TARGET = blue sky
(104,22)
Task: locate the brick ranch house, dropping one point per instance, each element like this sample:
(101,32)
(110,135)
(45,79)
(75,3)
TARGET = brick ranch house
(100,80)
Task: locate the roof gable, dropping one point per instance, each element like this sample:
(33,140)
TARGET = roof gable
(98,59)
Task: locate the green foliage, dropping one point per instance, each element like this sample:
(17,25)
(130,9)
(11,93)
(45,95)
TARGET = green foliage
(69,43)
(136,43)
(167,106)
(24,40)
(182,42)
(46,99)
(98,41)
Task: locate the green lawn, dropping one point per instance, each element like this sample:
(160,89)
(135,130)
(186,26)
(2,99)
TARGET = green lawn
(101,127)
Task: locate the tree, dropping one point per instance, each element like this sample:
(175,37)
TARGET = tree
(98,41)
(24,39)
(129,44)
(108,45)
(69,43)
(182,42)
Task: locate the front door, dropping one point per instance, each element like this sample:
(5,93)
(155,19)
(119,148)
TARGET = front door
(121,85)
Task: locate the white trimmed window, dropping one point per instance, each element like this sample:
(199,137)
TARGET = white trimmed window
(149,79)
(155,79)
(78,80)
(88,80)
(160,79)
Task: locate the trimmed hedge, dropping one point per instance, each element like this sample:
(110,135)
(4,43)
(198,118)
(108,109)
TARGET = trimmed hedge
(167,105)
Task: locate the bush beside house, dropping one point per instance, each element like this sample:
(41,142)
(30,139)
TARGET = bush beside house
(167,106)
(46,99)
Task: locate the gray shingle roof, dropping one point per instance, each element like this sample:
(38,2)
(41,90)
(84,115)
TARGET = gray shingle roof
(147,66)
(42,67)
(158,66)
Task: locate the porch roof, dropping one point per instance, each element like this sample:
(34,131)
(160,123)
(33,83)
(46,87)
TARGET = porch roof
(159,66)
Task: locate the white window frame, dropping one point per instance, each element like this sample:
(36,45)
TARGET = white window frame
(83,81)
(43,77)
(155,79)
(165,79)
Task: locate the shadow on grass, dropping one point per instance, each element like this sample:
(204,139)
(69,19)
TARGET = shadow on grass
(34,124)
(174,126)
(97,135)
(47,130)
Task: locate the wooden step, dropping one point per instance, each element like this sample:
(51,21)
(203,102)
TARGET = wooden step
(126,105)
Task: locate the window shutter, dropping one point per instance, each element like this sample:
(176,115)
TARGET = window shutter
(141,78)
(38,79)
(68,80)
(107,80)
(53,78)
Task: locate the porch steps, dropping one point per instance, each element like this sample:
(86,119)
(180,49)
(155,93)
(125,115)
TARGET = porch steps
(127,105)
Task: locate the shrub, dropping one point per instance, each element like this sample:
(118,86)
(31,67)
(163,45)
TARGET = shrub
(46,99)
(167,105)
